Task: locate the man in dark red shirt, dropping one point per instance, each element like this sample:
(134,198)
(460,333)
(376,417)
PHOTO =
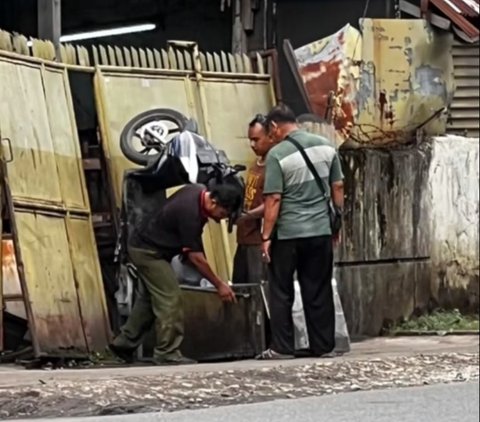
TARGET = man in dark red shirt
(174,228)
(248,265)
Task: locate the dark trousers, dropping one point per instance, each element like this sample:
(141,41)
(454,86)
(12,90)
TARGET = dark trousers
(312,258)
(248,267)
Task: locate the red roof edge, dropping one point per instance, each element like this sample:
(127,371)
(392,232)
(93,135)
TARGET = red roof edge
(457,18)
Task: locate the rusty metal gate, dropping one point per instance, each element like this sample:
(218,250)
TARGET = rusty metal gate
(49,210)
(221,91)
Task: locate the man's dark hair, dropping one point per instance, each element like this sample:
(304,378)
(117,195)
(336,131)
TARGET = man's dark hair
(281,114)
(227,196)
(258,119)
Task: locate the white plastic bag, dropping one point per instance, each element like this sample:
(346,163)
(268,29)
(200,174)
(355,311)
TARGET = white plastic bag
(342,338)
(187,274)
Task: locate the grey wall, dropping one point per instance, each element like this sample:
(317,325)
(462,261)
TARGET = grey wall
(384,264)
(454,188)
(411,232)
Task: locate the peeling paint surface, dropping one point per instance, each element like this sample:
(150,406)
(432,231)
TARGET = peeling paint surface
(388,80)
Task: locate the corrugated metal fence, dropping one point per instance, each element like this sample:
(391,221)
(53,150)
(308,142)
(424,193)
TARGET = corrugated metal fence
(464,113)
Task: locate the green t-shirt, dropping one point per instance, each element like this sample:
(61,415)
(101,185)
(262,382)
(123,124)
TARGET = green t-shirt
(304,210)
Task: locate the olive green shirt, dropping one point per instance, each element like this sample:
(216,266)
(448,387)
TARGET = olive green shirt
(304,210)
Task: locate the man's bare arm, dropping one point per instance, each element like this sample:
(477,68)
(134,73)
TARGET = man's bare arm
(199,260)
(338,194)
(272,209)
(256,212)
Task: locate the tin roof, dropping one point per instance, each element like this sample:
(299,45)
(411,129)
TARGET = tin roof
(463,14)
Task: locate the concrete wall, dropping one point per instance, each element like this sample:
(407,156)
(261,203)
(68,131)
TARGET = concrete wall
(453,183)
(410,233)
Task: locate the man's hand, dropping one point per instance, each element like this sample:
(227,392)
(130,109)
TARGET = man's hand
(337,239)
(266,251)
(226,293)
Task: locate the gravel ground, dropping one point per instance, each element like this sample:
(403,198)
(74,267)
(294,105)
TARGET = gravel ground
(200,390)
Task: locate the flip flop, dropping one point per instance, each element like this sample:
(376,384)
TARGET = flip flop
(270,354)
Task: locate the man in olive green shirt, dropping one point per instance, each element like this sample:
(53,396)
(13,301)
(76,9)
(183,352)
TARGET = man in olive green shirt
(297,234)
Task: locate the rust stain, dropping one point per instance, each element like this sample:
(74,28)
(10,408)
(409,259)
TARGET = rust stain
(325,70)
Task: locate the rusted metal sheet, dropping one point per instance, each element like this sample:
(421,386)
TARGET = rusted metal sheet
(330,66)
(45,189)
(387,82)
(56,323)
(145,91)
(64,139)
(12,289)
(24,120)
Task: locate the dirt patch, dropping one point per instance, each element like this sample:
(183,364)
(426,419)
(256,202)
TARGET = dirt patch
(200,390)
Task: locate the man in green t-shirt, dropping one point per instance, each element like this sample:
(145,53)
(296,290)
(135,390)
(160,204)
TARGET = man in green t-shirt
(297,235)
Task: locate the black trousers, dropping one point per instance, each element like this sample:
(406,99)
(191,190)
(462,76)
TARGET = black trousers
(248,267)
(312,258)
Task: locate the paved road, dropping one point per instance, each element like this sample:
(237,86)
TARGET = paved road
(442,403)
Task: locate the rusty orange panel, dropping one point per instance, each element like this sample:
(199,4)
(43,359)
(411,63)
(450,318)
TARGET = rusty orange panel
(387,81)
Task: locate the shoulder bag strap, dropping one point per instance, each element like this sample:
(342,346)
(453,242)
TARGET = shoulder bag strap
(310,165)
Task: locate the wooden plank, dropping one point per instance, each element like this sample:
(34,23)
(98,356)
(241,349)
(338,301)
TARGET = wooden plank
(260,65)
(119,55)
(20,44)
(103,55)
(224,61)
(231,63)
(218,62)
(158,59)
(172,59)
(165,59)
(135,58)
(111,56)
(81,61)
(86,56)
(150,59)
(180,60)
(188,60)
(239,63)
(96,57)
(203,61)
(72,54)
(127,56)
(64,54)
(210,63)
(5,41)
(143,58)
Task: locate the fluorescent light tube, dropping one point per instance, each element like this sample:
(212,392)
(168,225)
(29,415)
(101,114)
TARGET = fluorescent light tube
(106,32)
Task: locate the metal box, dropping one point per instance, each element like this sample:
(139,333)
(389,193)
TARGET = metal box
(217,331)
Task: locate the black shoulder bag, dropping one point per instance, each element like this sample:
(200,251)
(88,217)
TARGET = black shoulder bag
(334,214)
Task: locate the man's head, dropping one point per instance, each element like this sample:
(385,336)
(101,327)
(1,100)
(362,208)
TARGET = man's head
(260,142)
(280,121)
(222,201)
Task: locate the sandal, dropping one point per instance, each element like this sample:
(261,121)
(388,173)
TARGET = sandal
(270,354)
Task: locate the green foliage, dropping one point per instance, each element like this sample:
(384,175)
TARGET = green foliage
(439,320)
